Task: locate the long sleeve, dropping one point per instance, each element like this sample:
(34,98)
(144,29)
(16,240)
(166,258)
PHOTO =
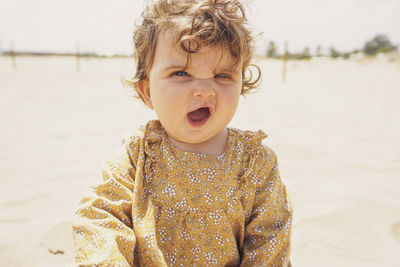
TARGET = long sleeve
(267,234)
(102,227)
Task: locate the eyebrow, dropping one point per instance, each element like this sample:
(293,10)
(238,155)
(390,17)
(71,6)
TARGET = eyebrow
(229,70)
(184,67)
(175,67)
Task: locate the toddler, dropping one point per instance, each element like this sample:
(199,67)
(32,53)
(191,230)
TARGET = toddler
(186,190)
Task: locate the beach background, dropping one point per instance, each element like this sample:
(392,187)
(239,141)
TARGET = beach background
(334,125)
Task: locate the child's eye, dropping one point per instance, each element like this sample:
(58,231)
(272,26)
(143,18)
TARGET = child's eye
(181,73)
(222,76)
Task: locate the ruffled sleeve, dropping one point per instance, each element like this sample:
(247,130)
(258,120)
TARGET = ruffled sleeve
(267,233)
(102,227)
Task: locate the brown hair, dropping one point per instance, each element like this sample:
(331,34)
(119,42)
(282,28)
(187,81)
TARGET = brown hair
(211,22)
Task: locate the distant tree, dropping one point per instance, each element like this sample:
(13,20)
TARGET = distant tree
(318,51)
(379,44)
(305,54)
(346,55)
(333,52)
(271,49)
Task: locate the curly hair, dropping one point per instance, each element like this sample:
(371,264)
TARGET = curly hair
(209,23)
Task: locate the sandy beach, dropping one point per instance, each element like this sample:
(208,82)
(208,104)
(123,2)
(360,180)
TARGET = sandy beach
(333,124)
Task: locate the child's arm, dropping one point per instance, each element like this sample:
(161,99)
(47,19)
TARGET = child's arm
(267,234)
(102,228)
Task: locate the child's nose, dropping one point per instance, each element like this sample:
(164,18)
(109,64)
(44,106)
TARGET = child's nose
(203,88)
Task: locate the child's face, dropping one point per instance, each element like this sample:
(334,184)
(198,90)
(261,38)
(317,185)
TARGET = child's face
(193,104)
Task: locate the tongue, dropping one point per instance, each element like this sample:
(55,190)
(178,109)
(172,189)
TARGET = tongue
(199,114)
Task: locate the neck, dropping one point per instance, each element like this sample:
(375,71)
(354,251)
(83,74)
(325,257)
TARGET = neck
(214,146)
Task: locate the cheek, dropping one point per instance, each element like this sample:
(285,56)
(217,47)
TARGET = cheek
(167,97)
(230,101)
(233,94)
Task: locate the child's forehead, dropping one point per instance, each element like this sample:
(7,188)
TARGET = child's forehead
(168,47)
(170,36)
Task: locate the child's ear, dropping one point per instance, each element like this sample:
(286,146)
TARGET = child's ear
(144,91)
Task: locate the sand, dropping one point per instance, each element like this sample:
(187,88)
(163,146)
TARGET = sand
(333,124)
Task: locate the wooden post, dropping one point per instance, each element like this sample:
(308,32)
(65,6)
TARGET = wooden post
(13,56)
(78,58)
(284,59)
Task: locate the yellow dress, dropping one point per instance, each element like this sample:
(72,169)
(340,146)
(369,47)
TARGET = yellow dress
(161,206)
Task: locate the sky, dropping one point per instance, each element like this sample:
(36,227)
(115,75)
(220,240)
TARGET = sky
(105,26)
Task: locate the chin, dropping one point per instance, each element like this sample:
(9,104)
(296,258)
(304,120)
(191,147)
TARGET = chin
(193,140)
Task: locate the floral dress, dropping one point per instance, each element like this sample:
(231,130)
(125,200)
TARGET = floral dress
(161,206)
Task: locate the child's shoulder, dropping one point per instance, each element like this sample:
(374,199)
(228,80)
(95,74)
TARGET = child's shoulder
(151,132)
(249,138)
(253,142)
(136,140)
(248,135)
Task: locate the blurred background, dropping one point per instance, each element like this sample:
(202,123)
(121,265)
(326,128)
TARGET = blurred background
(329,100)
(103,27)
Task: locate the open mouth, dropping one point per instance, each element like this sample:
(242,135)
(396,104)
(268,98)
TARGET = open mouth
(199,116)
